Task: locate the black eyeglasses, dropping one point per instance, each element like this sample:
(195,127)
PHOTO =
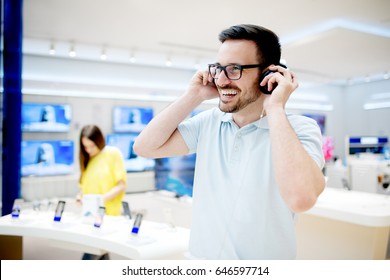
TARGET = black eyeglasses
(232,71)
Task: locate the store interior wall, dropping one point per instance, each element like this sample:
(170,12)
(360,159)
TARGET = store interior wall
(366,122)
(71,75)
(93,88)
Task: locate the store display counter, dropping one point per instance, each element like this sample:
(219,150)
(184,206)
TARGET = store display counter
(342,225)
(345,225)
(154,241)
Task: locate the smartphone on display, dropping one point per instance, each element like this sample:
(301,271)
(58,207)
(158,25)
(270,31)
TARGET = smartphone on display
(126,209)
(59,210)
(137,223)
(15,212)
(99,216)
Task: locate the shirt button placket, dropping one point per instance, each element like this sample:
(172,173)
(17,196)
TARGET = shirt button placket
(236,147)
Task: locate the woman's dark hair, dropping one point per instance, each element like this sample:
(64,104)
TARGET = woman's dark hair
(267,42)
(93,133)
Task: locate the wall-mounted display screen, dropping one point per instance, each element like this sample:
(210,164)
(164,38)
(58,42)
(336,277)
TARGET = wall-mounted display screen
(176,174)
(131,119)
(46,117)
(47,157)
(133,162)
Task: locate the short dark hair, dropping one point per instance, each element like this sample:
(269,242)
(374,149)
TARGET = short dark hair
(267,42)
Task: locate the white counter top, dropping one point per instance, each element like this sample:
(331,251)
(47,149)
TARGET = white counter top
(154,241)
(355,207)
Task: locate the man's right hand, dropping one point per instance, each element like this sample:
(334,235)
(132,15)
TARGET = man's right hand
(202,84)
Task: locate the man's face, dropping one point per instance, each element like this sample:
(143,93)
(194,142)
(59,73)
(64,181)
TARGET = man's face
(238,94)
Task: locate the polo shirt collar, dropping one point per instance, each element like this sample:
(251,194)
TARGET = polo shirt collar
(262,123)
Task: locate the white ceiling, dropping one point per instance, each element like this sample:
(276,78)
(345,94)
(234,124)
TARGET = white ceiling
(323,41)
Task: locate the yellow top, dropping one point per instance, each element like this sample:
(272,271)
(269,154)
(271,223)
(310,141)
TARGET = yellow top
(103,173)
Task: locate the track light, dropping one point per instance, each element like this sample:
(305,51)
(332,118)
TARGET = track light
(72,52)
(52,50)
(132,57)
(168,62)
(103,56)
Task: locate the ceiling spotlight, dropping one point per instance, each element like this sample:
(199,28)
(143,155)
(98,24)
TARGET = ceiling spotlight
(103,56)
(52,50)
(72,52)
(168,62)
(132,58)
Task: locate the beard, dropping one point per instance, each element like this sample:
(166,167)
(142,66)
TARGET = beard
(243,100)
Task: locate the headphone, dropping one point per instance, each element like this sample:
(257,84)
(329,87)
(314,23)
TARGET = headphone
(264,89)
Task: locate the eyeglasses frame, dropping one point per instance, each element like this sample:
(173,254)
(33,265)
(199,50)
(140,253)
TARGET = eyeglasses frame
(245,66)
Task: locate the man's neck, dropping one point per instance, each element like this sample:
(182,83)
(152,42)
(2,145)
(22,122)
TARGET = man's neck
(249,114)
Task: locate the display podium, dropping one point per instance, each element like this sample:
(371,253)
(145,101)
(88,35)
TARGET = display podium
(348,225)
(154,240)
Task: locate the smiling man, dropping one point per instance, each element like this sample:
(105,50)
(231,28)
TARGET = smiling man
(256,166)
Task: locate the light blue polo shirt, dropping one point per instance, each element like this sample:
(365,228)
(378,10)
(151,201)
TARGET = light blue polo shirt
(238,212)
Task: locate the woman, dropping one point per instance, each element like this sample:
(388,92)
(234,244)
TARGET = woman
(102,172)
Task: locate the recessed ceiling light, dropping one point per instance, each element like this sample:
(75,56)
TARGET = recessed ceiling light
(103,56)
(72,52)
(52,50)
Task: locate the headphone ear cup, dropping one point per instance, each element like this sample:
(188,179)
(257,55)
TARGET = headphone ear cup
(264,89)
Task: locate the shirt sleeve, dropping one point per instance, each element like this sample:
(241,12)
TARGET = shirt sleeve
(309,134)
(118,166)
(190,130)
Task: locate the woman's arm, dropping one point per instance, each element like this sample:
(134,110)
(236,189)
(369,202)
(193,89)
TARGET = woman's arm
(115,191)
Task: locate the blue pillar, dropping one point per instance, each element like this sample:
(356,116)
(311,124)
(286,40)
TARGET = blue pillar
(12,101)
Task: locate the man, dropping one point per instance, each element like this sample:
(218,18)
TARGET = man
(255,166)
